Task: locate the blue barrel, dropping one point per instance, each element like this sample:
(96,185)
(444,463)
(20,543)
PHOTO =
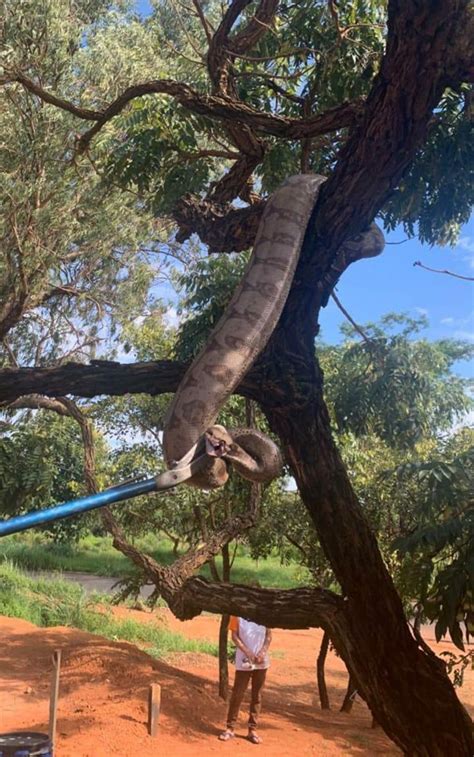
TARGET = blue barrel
(25,744)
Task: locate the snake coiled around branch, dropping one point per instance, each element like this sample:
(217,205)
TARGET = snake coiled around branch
(239,336)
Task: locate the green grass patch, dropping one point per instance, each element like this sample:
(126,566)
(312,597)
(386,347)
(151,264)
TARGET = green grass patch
(58,602)
(96,555)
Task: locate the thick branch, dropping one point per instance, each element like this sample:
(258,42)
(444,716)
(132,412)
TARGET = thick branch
(275,608)
(101,377)
(220,228)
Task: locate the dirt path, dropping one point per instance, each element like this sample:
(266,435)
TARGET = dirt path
(104,686)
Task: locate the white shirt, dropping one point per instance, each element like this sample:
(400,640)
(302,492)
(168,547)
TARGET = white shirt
(253,636)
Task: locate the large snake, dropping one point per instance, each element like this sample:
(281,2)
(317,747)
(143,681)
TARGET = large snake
(239,336)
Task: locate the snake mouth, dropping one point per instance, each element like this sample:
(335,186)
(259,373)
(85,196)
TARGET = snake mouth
(215,447)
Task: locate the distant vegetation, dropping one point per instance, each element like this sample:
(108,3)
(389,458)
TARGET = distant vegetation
(95,554)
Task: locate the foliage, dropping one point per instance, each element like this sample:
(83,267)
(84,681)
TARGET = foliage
(399,388)
(437,194)
(318,56)
(51,451)
(394,401)
(206,290)
(73,256)
(441,535)
(159,157)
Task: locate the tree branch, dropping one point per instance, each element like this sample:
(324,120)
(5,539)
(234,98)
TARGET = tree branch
(274,608)
(190,563)
(37,402)
(102,377)
(204,22)
(214,106)
(221,228)
(419,264)
(414,73)
(355,325)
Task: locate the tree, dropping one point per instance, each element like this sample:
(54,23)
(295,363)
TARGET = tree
(440,536)
(368,94)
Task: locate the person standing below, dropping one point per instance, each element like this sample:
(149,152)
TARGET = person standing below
(251,664)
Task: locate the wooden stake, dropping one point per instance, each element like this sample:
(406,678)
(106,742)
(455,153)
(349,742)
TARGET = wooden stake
(54,695)
(154,705)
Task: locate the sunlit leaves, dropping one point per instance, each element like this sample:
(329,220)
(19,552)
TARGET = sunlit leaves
(396,387)
(51,470)
(70,246)
(442,537)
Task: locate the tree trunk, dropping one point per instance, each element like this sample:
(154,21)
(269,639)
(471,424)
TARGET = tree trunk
(350,694)
(407,690)
(223,630)
(322,689)
(223,661)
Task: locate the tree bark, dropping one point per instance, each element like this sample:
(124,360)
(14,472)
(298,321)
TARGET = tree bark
(407,690)
(223,661)
(320,662)
(350,694)
(102,377)
(223,632)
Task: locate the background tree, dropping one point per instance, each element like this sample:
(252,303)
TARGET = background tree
(391,96)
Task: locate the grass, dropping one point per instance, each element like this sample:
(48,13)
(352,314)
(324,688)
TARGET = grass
(97,556)
(58,602)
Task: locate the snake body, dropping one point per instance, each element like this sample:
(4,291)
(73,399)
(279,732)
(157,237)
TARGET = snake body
(238,338)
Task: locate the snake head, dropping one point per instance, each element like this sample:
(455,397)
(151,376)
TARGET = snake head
(218,441)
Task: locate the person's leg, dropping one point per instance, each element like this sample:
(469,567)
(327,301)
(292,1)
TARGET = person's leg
(258,682)
(241,681)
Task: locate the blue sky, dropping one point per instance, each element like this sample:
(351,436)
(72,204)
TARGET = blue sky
(144,7)
(371,288)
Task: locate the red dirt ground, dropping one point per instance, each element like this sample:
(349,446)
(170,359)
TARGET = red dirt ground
(104,684)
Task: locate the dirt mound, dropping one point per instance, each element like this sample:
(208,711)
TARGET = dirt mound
(104,685)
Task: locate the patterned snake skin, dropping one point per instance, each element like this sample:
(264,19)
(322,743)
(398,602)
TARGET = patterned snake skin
(238,338)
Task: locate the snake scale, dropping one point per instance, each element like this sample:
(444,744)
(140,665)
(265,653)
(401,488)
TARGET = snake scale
(239,336)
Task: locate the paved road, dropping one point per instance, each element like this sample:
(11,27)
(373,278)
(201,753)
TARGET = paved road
(102,584)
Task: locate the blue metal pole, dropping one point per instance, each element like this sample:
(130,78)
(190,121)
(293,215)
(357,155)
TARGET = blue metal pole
(76,506)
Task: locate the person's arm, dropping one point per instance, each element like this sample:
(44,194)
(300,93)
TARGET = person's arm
(240,645)
(263,651)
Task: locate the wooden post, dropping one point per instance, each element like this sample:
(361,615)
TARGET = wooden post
(54,695)
(154,705)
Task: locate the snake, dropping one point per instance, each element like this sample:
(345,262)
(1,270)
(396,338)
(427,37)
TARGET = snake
(237,339)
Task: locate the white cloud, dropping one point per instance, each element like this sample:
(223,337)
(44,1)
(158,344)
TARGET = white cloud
(463,327)
(467,336)
(171,317)
(124,356)
(466,243)
(422,311)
